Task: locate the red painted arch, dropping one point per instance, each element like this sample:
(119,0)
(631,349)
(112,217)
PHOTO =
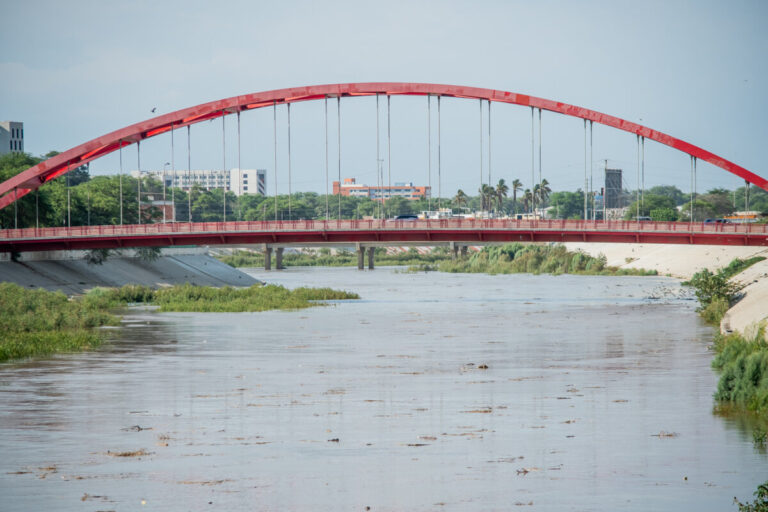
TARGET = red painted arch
(32,178)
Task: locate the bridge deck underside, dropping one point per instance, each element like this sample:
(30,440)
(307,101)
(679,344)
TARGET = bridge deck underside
(393,236)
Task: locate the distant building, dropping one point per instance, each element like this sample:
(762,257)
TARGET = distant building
(249,181)
(11,137)
(613,190)
(406,190)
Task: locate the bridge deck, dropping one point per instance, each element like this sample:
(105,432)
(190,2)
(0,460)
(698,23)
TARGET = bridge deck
(472,231)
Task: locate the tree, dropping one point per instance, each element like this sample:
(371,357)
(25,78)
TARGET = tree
(702,210)
(543,192)
(670,191)
(517,185)
(651,202)
(568,205)
(460,199)
(501,192)
(528,200)
(486,196)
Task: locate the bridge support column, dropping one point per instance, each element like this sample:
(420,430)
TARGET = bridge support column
(360,257)
(267,257)
(370,257)
(463,252)
(454,250)
(279,258)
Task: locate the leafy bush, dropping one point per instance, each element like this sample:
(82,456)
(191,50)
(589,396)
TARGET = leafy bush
(744,371)
(761,501)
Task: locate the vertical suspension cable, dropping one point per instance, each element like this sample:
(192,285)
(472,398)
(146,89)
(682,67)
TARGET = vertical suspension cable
(489,143)
(429,151)
(379,179)
(541,182)
(378,159)
(37,209)
(483,199)
(533,164)
(637,194)
(389,154)
(120,177)
(691,211)
(439,158)
(240,171)
(15,208)
(138,190)
(338,126)
(327,212)
(173,178)
(591,171)
(224,173)
(586,183)
(189,174)
(290,214)
(69,211)
(88,196)
(274,139)
(642,171)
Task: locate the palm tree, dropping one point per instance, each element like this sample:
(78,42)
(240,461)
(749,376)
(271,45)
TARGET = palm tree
(488,193)
(516,185)
(527,199)
(544,191)
(501,192)
(460,199)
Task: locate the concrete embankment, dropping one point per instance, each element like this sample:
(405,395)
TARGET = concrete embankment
(682,261)
(69,272)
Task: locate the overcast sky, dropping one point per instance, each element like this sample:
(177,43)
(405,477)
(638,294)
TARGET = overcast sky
(74,70)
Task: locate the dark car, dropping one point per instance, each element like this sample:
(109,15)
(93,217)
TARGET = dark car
(406,217)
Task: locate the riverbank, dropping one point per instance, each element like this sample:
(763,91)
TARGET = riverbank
(682,261)
(69,272)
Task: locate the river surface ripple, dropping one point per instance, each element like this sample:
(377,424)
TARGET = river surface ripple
(595,397)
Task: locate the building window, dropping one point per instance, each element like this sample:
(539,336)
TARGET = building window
(245,187)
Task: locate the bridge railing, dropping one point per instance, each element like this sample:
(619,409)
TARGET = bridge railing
(180,228)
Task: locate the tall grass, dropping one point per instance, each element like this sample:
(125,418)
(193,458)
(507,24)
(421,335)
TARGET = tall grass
(36,323)
(743,364)
(536,259)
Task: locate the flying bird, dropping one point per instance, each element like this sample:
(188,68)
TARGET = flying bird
(153,109)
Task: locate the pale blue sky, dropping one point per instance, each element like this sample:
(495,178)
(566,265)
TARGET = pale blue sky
(74,70)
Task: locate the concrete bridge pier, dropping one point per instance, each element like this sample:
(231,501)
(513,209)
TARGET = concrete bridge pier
(360,257)
(267,257)
(279,258)
(370,257)
(454,250)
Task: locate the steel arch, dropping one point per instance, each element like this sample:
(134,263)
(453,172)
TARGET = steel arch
(32,178)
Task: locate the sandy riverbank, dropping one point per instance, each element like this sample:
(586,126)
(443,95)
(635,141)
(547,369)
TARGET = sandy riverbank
(682,261)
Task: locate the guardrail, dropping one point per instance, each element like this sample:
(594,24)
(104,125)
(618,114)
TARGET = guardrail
(171,228)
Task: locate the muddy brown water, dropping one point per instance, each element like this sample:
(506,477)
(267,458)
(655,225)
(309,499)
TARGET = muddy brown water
(595,397)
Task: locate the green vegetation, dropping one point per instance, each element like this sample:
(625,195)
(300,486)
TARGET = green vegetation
(535,259)
(38,323)
(761,500)
(743,364)
(716,292)
(324,258)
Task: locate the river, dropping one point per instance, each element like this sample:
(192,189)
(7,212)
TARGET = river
(433,392)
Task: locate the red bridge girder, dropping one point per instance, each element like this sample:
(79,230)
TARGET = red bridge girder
(424,232)
(32,178)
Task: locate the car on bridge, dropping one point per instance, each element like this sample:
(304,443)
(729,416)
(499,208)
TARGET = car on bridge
(407,217)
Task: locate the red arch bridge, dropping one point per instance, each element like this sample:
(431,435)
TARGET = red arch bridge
(472,231)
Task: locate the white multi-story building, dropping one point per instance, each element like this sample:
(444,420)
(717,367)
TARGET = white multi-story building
(11,137)
(247,181)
